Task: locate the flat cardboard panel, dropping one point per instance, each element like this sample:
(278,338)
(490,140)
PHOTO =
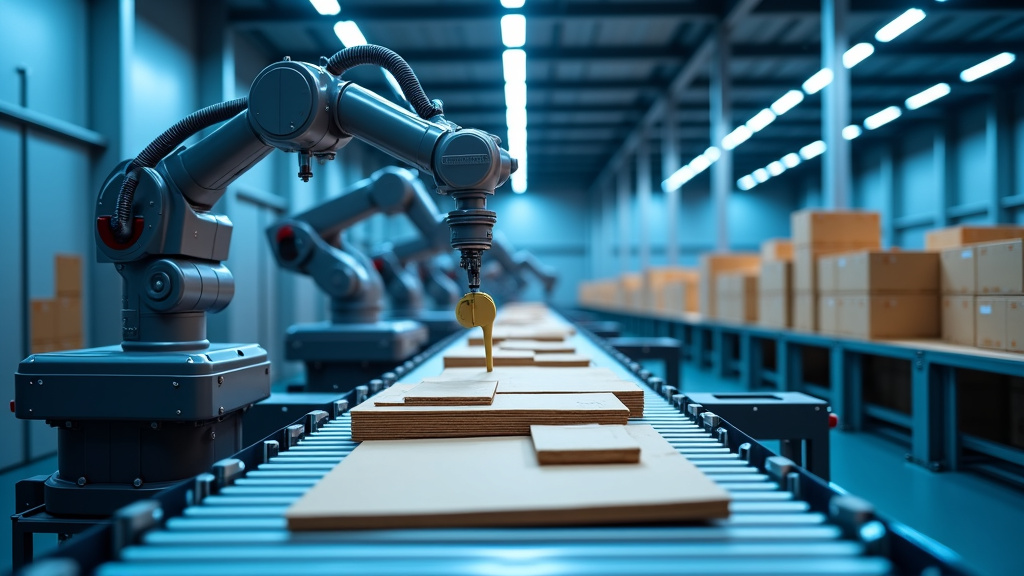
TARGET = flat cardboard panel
(836,227)
(890,316)
(1015,324)
(560,360)
(805,311)
(68,318)
(1000,267)
(880,272)
(473,356)
(445,393)
(777,250)
(538,346)
(711,265)
(828,314)
(957,274)
(990,322)
(958,320)
(588,444)
(776,276)
(774,310)
(958,236)
(44,321)
(472,482)
(68,275)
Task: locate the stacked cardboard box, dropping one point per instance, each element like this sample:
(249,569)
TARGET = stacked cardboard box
(711,265)
(736,297)
(775,284)
(819,233)
(671,290)
(630,294)
(957,236)
(877,294)
(599,293)
(57,322)
(999,306)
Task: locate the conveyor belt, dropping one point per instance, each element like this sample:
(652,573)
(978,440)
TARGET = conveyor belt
(242,529)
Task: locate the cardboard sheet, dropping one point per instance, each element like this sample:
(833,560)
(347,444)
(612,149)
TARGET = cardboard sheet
(538,346)
(474,356)
(561,360)
(498,482)
(444,393)
(590,444)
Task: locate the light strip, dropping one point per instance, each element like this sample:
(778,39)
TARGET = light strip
(746,183)
(812,150)
(928,96)
(775,168)
(512,3)
(899,25)
(883,117)
(852,131)
(857,54)
(987,67)
(513,63)
(326,7)
(738,136)
(349,34)
(761,175)
(760,120)
(787,102)
(819,80)
(791,160)
(513,30)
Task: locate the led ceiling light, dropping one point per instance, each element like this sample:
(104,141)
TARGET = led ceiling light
(857,54)
(712,154)
(879,119)
(513,30)
(791,160)
(513,63)
(515,94)
(512,3)
(852,131)
(677,179)
(760,175)
(760,120)
(787,102)
(901,24)
(775,168)
(326,7)
(813,150)
(349,34)
(746,183)
(987,67)
(738,136)
(819,80)
(927,96)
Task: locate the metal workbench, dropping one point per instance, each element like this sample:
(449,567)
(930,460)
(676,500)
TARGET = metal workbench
(783,520)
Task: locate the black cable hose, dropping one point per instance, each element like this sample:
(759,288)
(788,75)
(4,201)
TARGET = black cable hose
(158,149)
(389,60)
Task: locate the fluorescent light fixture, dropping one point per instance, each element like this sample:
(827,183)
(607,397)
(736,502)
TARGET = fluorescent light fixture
(513,30)
(712,154)
(812,150)
(882,118)
(677,179)
(987,67)
(857,54)
(515,94)
(852,131)
(738,136)
(326,7)
(760,175)
(746,183)
(699,164)
(791,160)
(515,118)
(513,62)
(512,3)
(349,34)
(519,180)
(819,80)
(760,120)
(775,168)
(787,102)
(927,96)
(901,24)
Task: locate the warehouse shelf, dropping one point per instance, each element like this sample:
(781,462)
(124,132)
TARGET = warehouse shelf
(927,372)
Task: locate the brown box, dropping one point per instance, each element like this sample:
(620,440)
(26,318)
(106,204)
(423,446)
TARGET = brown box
(630,292)
(828,315)
(890,316)
(68,274)
(1015,324)
(1000,267)
(958,319)
(776,276)
(713,264)
(737,296)
(957,236)
(826,276)
(681,297)
(774,309)
(657,280)
(806,260)
(44,320)
(805,311)
(957,274)
(820,227)
(776,249)
(68,319)
(878,272)
(990,322)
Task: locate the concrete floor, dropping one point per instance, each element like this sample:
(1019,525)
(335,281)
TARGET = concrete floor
(980,519)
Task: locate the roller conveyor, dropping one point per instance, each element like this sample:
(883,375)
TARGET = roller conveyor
(780,523)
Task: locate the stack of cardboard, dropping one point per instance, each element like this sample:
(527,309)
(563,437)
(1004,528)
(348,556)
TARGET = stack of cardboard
(711,265)
(57,322)
(877,294)
(736,298)
(630,292)
(775,284)
(999,318)
(598,293)
(954,237)
(819,233)
(671,290)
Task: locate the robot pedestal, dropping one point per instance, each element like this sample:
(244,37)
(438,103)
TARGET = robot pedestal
(339,357)
(132,423)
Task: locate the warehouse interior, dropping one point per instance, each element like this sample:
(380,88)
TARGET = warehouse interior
(655,160)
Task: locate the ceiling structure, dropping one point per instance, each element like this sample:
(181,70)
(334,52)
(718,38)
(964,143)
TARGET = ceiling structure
(595,68)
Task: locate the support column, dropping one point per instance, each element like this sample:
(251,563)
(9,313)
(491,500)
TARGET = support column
(670,162)
(624,236)
(836,175)
(643,198)
(721,125)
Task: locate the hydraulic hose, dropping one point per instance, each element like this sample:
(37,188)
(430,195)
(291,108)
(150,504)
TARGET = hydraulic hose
(392,62)
(158,149)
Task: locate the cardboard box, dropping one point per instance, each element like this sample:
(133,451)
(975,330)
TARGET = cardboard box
(68,275)
(774,309)
(820,227)
(826,275)
(1000,267)
(828,315)
(657,280)
(990,322)
(878,272)
(44,320)
(68,319)
(776,276)
(890,316)
(630,292)
(957,273)
(805,311)
(958,236)
(958,320)
(776,249)
(713,264)
(806,260)
(1015,324)
(681,297)
(737,296)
